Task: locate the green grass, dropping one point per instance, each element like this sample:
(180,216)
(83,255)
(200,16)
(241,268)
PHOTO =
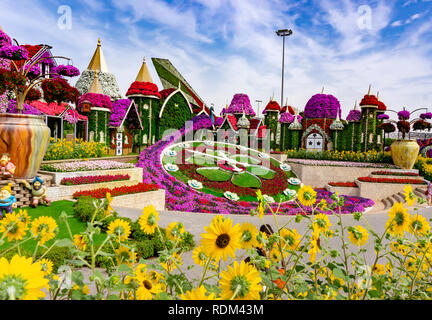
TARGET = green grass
(214,174)
(246,180)
(54,211)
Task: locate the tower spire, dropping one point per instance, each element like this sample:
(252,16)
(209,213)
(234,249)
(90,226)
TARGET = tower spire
(95,87)
(144,74)
(98,62)
(369,92)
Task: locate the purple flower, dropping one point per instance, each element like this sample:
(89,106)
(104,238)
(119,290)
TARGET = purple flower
(33,72)
(322,106)
(383,117)
(354,115)
(239,103)
(12,52)
(4,39)
(118,112)
(27,109)
(404,115)
(427,115)
(67,71)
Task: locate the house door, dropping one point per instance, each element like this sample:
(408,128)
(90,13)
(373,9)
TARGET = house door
(314,142)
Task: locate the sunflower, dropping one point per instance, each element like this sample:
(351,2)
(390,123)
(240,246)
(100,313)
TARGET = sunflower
(197,294)
(314,245)
(148,220)
(21,279)
(261,205)
(108,209)
(23,216)
(84,290)
(79,242)
(398,221)
(175,230)
(418,225)
(248,233)
(171,263)
(323,205)
(12,227)
(147,287)
(199,256)
(141,269)
(291,238)
(358,235)
(379,269)
(240,282)
(306,196)
(120,229)
(321,222)
(409,195)
(124,255)
(44,228)
(275,255)
(47,266)
(221,239)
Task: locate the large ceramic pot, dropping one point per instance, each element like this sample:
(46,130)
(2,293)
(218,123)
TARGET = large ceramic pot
(404,153)
(25,137)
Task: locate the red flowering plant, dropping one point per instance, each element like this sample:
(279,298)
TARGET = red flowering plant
(93,179)
(96,100)
(344,184)
(33,95)
(369,100)
(392,180)
(118,191)
(143,88)
(24,74)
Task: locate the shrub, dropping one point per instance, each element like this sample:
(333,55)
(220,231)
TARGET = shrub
(145,249)
(58,256)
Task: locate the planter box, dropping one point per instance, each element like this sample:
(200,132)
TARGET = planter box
(379,191)
(320,176)
(347,191)
(140,200)
(63,192)
(127,158)
(279,156)
(136,174)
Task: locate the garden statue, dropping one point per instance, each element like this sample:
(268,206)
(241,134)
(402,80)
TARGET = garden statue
(6,166)
(7,200)
(38,191)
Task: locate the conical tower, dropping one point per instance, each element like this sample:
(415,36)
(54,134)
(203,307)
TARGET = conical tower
(107,80)
(145,93)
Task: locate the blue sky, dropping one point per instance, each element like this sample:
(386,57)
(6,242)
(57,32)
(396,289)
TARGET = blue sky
(223,47)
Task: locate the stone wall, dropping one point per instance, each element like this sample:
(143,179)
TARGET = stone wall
(136,174)
(379,191)
(140,200)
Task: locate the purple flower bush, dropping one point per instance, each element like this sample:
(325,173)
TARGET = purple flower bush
(383,117)
(27,109)
(4,39)
(181,197)
(96,100)
(118,112)
(12,52)
(239,102)
(354,116)
(67,71)
(322,106)
(404,115)
(33,72)
(287,117)
(427,115)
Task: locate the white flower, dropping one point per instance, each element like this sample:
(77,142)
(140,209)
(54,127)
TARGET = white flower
(170,153)
(285,167)
(231,196)
(195,184)
(294,181)
(268,199)
(290,193)
(209,143)
(171,167)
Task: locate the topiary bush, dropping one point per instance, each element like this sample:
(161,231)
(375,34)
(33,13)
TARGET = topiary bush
(58,256)
(145,249)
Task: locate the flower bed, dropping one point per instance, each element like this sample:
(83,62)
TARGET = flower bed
(346,156)
(119,191)
(387,180)
(94,179)
(181,197)
(63,149)
(85,166)
(344,184)
(341,163)
(394,173)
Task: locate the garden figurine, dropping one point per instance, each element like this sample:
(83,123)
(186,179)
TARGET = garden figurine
(6,166)
(38,191)
(7,200)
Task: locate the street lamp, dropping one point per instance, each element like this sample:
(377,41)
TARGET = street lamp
(283,33)
(258,103)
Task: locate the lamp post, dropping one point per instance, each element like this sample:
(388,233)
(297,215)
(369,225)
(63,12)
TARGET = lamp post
(283,33)
(258,103)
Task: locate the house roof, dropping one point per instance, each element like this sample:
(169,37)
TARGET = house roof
(98,62)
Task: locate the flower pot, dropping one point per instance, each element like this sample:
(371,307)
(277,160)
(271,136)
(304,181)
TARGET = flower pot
(25,137)
(404,153)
